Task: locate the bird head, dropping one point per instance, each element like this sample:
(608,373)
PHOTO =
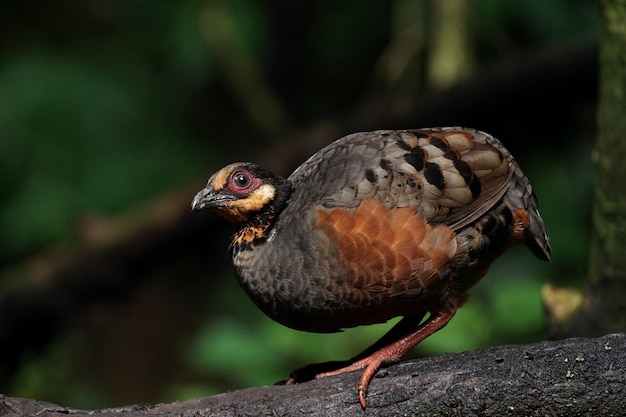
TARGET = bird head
(244,193)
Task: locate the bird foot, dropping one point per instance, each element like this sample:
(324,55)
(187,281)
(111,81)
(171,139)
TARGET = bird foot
(371,364)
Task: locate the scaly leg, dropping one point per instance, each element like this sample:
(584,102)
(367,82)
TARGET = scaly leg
(392,352)
(405,326)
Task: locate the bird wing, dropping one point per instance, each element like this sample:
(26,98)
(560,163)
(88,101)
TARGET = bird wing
(448,175)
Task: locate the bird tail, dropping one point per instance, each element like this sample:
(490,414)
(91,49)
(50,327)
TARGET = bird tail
(521,195)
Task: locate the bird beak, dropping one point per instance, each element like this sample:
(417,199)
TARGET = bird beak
(208,198)
(199,201)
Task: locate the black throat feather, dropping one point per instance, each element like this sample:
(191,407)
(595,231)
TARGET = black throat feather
(259,225)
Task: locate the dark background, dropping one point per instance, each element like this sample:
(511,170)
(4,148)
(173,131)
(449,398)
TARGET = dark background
(114,113)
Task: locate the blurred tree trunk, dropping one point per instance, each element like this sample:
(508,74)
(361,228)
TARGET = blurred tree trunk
(602,308)
(451,54)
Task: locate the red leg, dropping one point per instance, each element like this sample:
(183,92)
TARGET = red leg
(392,352)
(405,326)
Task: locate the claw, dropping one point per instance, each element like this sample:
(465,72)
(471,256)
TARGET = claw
(362,394)
(372,367)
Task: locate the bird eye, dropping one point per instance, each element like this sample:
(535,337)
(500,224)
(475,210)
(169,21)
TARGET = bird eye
(242,180)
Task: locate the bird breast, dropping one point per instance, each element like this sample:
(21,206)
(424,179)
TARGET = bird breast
(352,267)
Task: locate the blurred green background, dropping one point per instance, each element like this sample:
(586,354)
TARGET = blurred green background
(113,113)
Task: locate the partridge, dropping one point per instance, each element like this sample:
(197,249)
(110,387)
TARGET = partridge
(374,226)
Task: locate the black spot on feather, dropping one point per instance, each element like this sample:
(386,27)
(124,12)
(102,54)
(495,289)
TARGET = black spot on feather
(437,142)
(433,175)
(403,145)
(385,164)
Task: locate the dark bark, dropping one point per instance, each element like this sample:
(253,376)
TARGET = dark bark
(575,377)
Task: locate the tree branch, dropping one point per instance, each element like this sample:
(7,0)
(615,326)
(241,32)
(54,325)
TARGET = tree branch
(575,377)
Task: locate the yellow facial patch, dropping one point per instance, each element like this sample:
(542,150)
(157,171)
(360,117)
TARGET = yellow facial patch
(220,179)
(241,209)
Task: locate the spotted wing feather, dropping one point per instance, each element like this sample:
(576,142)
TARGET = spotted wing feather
(448,175)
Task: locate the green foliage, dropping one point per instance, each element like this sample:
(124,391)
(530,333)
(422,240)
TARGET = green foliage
(568,184)
(80,139)
(537,19)
(54,375)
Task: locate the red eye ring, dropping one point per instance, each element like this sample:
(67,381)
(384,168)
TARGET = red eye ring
(242,181)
